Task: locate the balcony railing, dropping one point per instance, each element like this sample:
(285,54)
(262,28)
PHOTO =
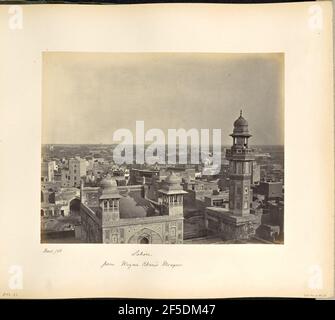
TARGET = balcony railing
(232,152)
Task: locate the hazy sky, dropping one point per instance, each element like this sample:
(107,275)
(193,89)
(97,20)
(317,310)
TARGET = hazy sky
(87,96)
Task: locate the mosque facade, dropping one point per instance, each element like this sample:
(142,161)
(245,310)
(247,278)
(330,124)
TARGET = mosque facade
(112,214)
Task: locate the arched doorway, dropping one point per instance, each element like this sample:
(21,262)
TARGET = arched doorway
(42,213)
(75,206)
(144,240)
(145,236)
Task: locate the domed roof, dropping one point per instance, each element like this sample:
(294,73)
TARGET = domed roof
(240,121)
(109,188)
(134,206)
(241,125)
(172,185)
(108,182)
(173,179)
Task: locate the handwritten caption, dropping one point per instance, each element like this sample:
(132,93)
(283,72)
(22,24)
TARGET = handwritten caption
(52,251)
(132,262)
(149,262)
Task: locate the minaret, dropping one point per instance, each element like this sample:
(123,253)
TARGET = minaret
(240,158)
(109,201)
(172,195)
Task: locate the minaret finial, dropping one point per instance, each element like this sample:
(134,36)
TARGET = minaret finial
(241,113)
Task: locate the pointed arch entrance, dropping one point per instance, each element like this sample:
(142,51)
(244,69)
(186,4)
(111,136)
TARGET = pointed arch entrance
(145,236)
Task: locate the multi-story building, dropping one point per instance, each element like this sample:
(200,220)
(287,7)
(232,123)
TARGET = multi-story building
(72,175)
(217,199)
(256,173)
(47,171)
(143,176)
(271,190)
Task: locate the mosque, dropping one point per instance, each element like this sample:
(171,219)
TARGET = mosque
(112,214)
(124,214)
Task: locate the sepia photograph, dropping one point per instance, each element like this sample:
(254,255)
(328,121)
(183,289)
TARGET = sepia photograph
(167,151)
(162,148)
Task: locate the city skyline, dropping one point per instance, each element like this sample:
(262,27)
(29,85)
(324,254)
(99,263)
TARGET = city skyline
(87,199)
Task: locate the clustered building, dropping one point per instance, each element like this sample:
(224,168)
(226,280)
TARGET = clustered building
(168,204)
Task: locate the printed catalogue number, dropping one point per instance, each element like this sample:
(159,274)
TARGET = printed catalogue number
(168,309)
(175,309)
